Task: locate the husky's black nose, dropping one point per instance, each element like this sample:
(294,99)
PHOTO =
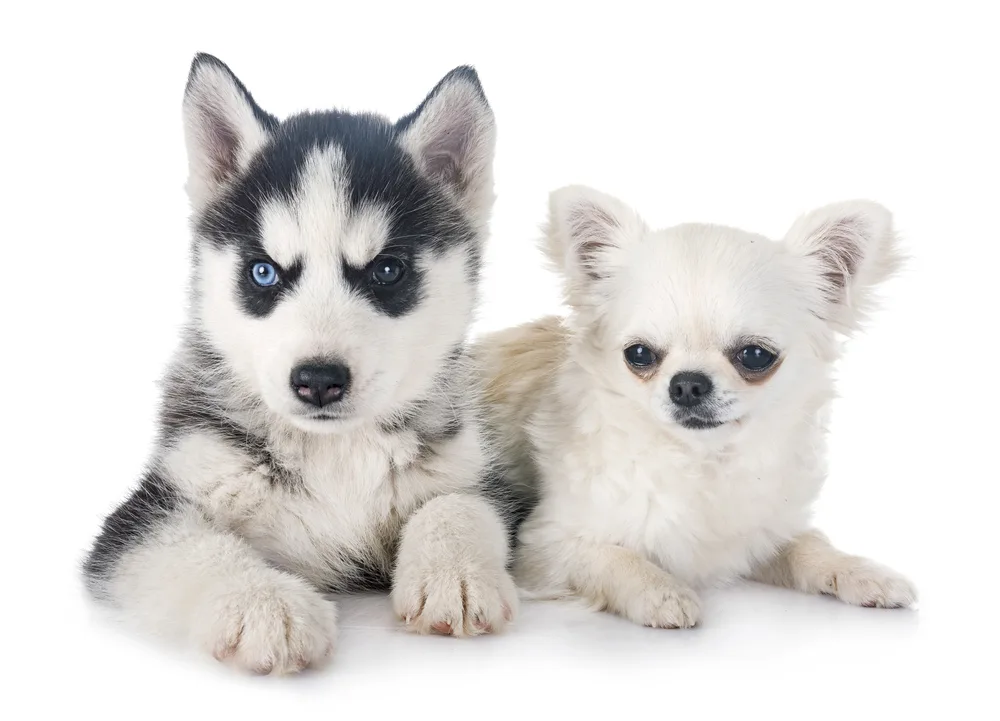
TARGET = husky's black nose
(688,389)
(320,384)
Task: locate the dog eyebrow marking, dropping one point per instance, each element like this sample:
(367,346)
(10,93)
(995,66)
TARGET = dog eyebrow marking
(313,214)
(367,235)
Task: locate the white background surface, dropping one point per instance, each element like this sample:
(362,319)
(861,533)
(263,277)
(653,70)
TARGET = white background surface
(700,113)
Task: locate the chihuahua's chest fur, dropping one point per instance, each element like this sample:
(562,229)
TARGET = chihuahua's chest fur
(704,514)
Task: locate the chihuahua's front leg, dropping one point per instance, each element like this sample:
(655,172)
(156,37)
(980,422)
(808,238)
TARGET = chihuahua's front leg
(451,572)
(810,564)
(608,576)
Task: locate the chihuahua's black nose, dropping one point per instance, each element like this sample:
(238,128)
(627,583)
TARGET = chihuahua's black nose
(688,389)
(320,384)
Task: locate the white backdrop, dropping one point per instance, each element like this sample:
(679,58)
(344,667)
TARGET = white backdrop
(703,112)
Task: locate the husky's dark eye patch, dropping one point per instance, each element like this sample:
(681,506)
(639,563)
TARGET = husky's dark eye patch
(261,283)
(393,285)
(387,270)
(264,274)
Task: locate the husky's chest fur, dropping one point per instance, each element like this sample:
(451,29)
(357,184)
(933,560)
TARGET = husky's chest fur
(329,507)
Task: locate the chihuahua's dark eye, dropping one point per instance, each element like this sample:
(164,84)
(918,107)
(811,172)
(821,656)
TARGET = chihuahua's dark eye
(387,270)
(639,356)
(755,358)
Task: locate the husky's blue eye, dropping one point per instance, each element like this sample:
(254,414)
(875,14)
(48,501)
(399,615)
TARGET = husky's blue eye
(754,358)
(264,274)
(387,270)
(639,356)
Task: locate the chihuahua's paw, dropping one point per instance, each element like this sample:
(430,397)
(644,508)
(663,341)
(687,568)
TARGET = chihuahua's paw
(863,583)
(281,626)
(454,600)
(665,603)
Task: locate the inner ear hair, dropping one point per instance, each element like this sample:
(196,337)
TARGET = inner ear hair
(590,228)
(224,127)
(452,135)
(840,253)
(851,248)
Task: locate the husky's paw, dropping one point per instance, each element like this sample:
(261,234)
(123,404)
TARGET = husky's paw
(453,600)
(864,583)
(235,499)
(664,604)
(280,626)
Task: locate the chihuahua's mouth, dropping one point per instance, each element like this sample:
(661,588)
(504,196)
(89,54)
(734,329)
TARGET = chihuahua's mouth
(329,419)
(698,423)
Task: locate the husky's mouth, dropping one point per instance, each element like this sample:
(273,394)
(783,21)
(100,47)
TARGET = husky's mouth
(324,423)
(321,417)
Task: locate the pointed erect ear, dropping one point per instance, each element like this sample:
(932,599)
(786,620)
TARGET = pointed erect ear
(848,249)
(451,137)
(586,230)
(223,126)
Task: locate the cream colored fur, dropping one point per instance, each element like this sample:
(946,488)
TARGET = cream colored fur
(637,511)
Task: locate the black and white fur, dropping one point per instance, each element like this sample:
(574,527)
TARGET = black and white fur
(257,501)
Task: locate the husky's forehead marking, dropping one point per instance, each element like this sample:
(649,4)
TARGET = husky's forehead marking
(317,219)
(333,190)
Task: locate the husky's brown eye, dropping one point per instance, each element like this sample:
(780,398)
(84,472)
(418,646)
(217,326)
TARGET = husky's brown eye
(387,270)
(754,358)
(639,356)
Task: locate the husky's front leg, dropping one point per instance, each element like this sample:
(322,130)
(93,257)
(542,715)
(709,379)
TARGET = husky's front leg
(811,565)
(451,572)
(163,566)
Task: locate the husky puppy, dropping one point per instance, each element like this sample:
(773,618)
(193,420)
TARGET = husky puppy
(317,431)
(675,420)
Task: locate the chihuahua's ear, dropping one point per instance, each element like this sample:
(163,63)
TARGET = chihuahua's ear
(451,137)
(586,231)
(847,250)
(223,127)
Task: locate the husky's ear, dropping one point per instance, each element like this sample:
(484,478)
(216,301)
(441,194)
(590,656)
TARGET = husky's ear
(586,231)
(848,249)
(223,127)
(451,137)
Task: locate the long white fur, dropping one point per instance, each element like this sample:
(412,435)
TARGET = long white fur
(636,511)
